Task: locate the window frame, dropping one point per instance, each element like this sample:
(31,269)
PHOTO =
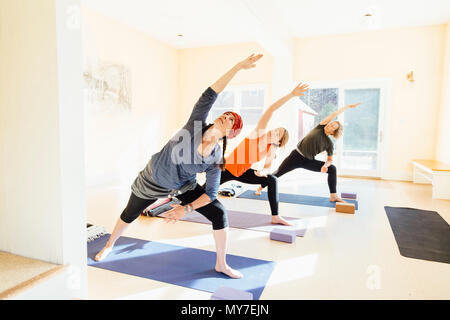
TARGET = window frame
(237,92)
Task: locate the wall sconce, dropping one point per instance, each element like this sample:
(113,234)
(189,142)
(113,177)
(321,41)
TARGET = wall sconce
(410,76)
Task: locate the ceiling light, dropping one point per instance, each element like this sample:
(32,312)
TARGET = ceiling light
(372,18)
(180,41)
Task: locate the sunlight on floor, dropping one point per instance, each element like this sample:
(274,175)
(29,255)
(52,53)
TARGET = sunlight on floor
(293,269)
(316,222)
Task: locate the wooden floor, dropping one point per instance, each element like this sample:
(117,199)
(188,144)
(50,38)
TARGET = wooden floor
(341,257)
(18,273)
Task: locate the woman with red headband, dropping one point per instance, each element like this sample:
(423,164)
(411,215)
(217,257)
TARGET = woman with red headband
(172,171)
(260,145)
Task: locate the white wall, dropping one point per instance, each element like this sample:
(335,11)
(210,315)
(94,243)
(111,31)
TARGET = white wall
(120,143)
(30,188)
(391,54)
(443,136)
(287,116)
(71,132)
(42,213)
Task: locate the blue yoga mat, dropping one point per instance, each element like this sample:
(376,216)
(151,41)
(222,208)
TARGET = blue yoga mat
(297,199)
(186,267)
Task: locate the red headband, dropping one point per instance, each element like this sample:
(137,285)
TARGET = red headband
(237,126)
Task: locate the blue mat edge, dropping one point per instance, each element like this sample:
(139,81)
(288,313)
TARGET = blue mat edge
(93,263)
(244,195)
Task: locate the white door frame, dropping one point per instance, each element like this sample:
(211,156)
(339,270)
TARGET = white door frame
(385,86)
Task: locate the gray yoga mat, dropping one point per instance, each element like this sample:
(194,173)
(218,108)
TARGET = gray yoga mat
(297,199)
(251,221)
(420,234)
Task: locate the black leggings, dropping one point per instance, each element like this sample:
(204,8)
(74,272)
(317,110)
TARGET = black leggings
(295,160)
(250,177)
(214,211)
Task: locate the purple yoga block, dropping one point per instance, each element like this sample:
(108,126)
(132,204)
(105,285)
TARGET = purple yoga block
(227,293)
(348,195)
(283,235)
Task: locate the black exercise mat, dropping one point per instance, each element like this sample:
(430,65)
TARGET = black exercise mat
(420,234)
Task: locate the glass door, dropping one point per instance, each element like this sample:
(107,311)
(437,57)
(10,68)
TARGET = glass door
(358,149)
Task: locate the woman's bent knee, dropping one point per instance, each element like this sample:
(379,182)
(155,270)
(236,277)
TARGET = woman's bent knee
(219,217)
(128,217)
(271,179)
(332,169)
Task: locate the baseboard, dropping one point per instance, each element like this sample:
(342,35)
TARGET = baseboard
(397,176)
(358,177)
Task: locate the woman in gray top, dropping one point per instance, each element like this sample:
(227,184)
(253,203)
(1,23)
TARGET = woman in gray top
(172,171)
(315,142)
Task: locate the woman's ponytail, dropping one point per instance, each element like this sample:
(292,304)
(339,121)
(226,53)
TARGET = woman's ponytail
(224,147)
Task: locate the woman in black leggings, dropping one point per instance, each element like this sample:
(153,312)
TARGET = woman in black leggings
(173,171)
(257,146)
(314,143)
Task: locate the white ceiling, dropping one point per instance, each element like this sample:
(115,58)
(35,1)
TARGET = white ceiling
(215,22)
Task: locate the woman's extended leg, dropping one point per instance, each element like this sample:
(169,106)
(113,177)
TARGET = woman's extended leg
(295,160)
(316,165)
(221,241)
(291,162)
(216,213)
(332,183)
(271,181)
(226,176)
(134,208)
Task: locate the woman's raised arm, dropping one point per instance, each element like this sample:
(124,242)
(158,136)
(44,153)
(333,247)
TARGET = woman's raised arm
(338,112)
(248,63)
(206,101)
(267,115)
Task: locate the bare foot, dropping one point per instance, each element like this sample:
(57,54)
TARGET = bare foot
(229,272)
(103,254)
(279,220)
(258,191)
(335,198)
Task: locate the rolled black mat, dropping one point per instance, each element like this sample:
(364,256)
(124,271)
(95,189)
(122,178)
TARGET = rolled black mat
(420,234)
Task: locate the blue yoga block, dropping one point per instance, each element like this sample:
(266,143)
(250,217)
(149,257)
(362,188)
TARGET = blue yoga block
(227,293)
(283,235)
(348,195)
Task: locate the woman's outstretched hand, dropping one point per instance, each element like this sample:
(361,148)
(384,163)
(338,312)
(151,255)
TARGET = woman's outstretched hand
(174,214)
(354,105)
(249,62)
(300,89)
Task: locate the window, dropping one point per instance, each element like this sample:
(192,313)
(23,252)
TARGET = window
(247,101)
(316,105)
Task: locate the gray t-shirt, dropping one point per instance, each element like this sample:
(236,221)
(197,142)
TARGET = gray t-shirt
(178,163)
(315,142)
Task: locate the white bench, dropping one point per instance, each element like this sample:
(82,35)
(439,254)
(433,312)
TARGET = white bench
(436,173)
